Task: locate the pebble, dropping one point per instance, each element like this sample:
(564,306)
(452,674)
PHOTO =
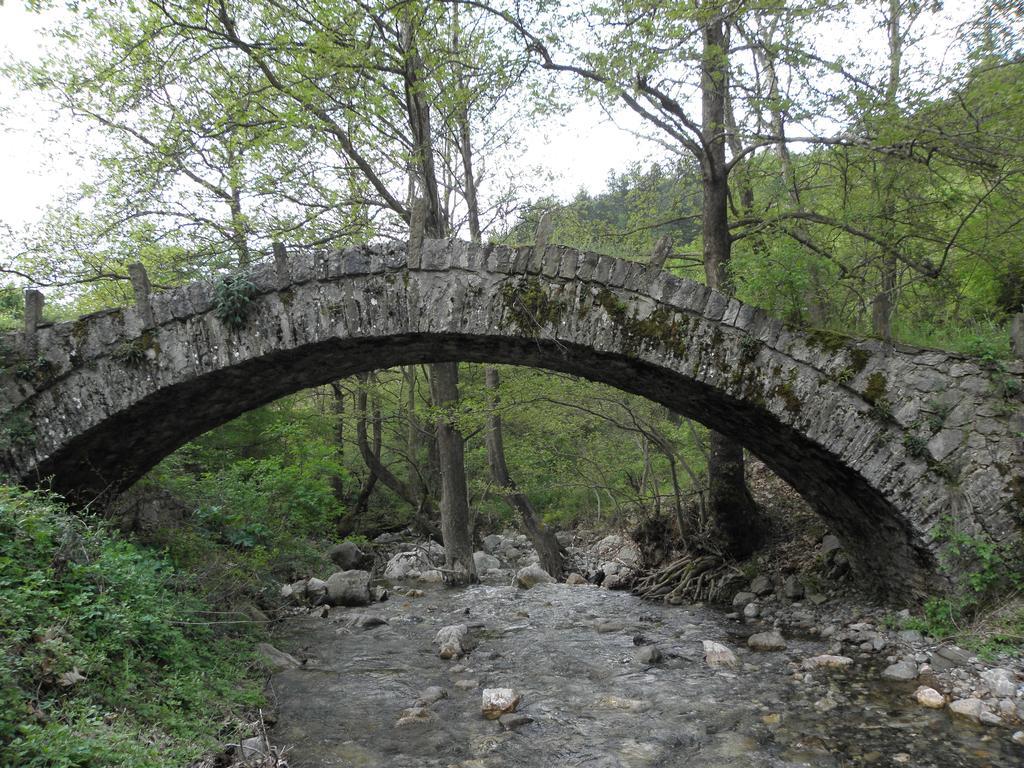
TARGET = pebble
(827,661)
(767,641)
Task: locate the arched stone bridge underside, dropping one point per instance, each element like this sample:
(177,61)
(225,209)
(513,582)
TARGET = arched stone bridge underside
(889,444)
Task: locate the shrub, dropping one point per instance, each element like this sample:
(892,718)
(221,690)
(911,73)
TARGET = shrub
(106,657)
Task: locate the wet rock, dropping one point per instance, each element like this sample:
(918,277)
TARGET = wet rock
(485,562)
(514,720)
(451,640)
(969,709)
(467,685)
(1000,682)
(608,626)
(361,620)
(532,575)
(415,716)
(826,661)
(495,702)
(348,588)
(575,580)
(929,697)
(617,581)
(740,599)
(792,588)
(718,655)
(431,695)
(275,659)
(349,557)
(620,702)
(987,717)
(1018,738)
(379,594)
(649,654)
(761,586)
(901,670)
(767,641)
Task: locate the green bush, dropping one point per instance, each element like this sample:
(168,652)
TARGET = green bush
(106,655)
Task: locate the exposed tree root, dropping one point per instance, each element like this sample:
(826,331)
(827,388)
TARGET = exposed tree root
(693,576)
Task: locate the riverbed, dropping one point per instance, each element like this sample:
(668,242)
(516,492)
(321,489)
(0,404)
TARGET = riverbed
(571,652)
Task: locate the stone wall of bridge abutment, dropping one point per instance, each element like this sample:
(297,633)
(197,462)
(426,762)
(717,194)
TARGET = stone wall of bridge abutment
(893,445)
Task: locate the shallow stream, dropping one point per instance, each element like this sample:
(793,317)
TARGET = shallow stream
(570,652)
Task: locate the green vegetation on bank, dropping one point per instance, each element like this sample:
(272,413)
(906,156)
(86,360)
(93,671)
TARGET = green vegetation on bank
(108,656)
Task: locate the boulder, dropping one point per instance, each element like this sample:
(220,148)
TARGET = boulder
(969,709)
(648,654)
(740,599)
(792,588)
(767,641)
(902,670)
(275,659)
(829,544)
(761,586)
(349,557)
(496,702)
(316,591)
(575,580)
(493,543)
(348,588)
(948,656)
(485,562)
(1001,683)
(532,575)
(452,641)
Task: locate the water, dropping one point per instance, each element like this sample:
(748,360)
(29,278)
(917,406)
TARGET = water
(593,705)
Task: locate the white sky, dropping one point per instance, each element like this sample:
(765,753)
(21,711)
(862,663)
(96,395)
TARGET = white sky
(579,153)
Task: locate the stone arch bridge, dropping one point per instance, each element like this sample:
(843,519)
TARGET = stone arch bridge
(890,444)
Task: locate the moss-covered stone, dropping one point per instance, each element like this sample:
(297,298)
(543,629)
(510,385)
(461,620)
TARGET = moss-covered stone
(529,307)
(138,351)
(874,392)
(662,328)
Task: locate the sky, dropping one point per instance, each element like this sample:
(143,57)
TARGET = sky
(579,152)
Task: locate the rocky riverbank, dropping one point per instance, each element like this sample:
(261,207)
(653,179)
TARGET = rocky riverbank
(808,673)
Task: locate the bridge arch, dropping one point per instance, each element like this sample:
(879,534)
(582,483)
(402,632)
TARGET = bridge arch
(886,443)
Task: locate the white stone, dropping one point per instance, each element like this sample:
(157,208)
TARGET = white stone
(495,702)
(929,697)
(1000,682)
(718,655)
(532,575)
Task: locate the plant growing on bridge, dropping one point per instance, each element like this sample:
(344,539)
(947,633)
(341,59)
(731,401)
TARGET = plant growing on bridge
(232,299)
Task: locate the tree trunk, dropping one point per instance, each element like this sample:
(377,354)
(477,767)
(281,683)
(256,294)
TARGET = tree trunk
(730,504)
(338,411)
(544,541)
(458,542)
(444,377)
